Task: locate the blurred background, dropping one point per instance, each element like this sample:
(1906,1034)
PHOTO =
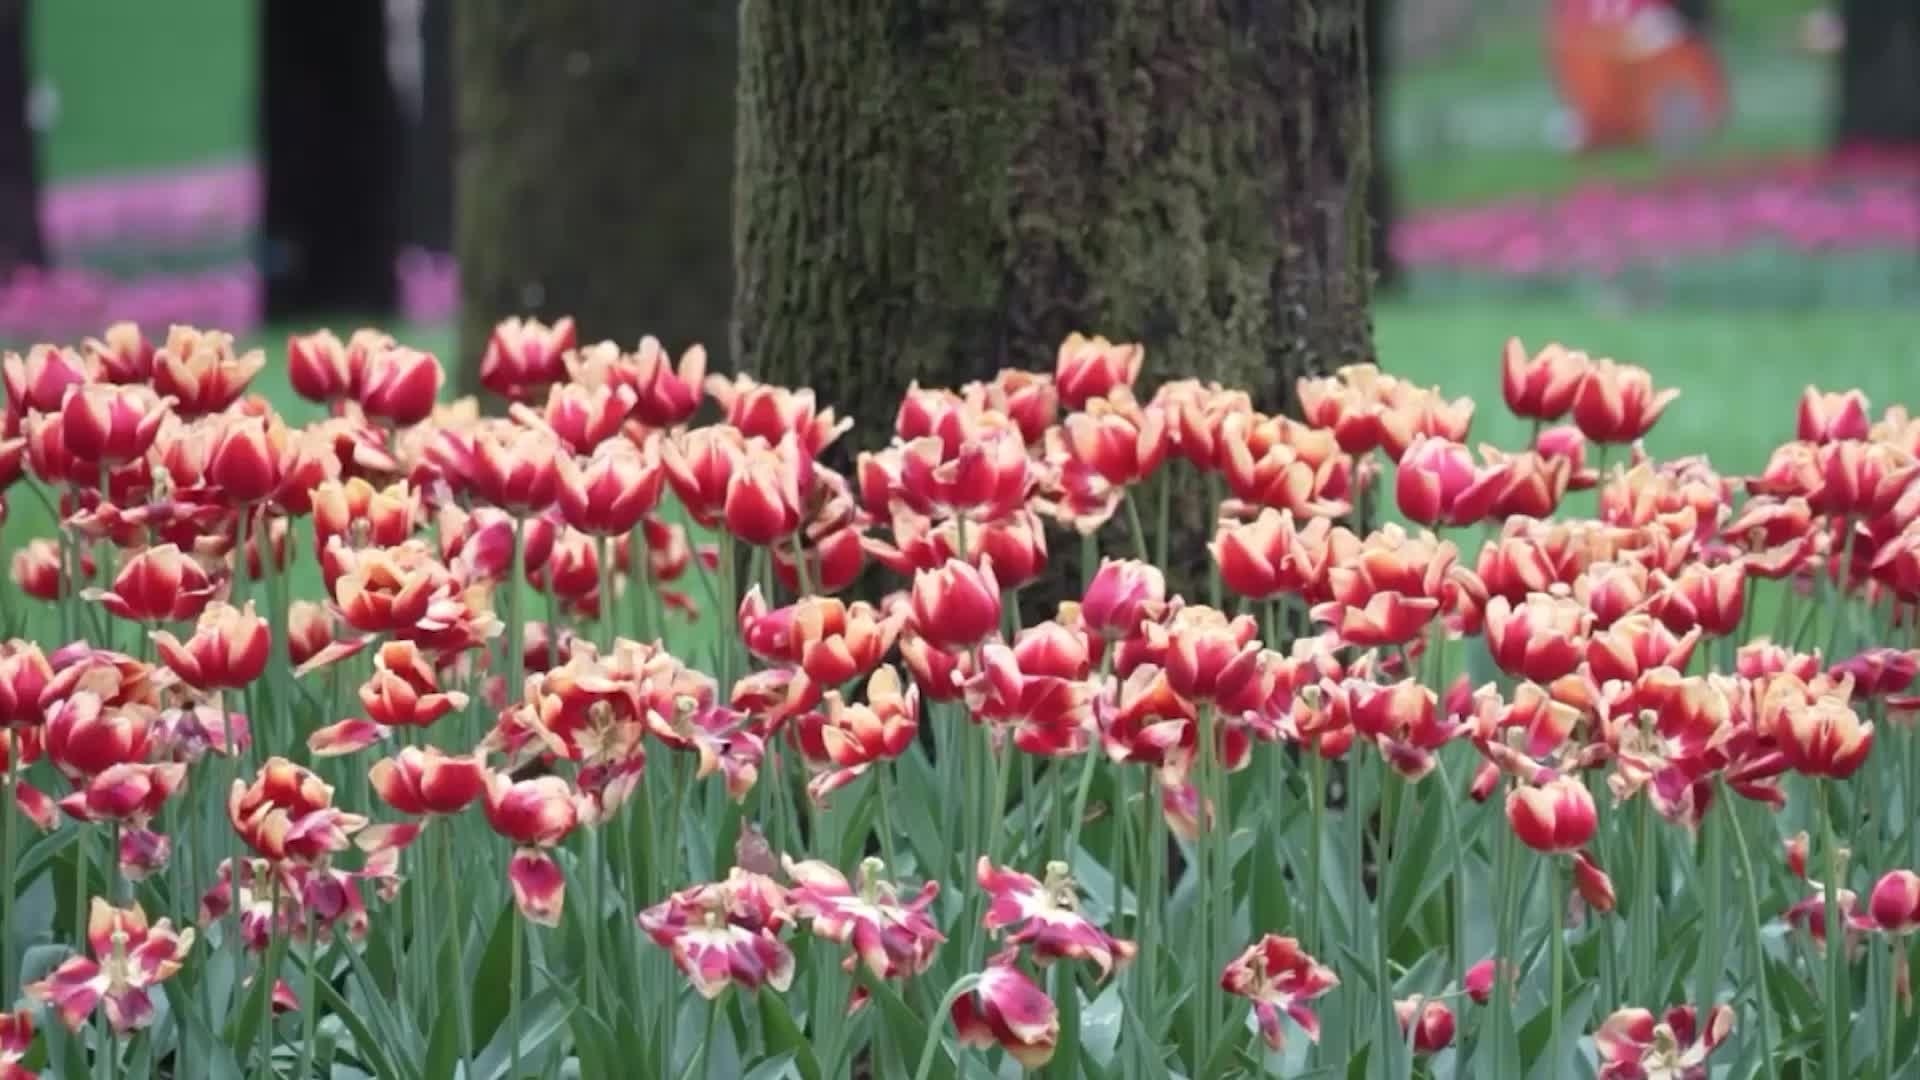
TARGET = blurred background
(237,163)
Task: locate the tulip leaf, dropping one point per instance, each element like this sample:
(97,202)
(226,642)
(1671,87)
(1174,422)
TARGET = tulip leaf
(785,1037)
(1537,1033)
(543,1015)
(496,969)
(909,1030)
(593,1040)
(1418,868)
(1065,1064)
(370,1049)
(777,1067)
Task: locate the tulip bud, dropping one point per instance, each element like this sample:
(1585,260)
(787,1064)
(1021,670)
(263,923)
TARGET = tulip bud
(1616,403)
(1086,368)
(1555,817)
(1429,1022)
(957,605)
(1592,883)
(1437,483)
(1543,387)
(1894,904)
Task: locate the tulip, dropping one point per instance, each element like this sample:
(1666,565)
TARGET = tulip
(1829,417)
(516,471)
(1122,595)
(1709,598)
(764,502)
(24,675)
(1567,444)
(1824,737)
(1429,1022)
(1086,368)
(1117,439)
(428,781)
(850,738)
(1541,640)
(131,792)
(1592,883)
(1612,591)
(1632,1046)
(1046,917)
(287,813)
(523,357)
(1288,472)
(247,457)
(143,853)
(1029,398)
(1877,672)
(581,416)
(726,932)
(1533,487)
(664,396)
(774,412)
(228,649)
(535,814)
(1349,403)
(1637,643)
(13,454)
(941,674)
(1209,656)
(1196,413)
(956,605)
(894,939)
(1480,978)
(401,384)
(1438,483)
(1556,817)
(317,367)
(105,424)
(38,382)
(609,493)
(1269,556)
(403,690)
(1048,714)
(130,957)
(1543,387)
(1894,905)
(309,630)
(157,585)
(1616,403)
(201,372)
(1413,411)
(1006,1008)
(1387,618)
(382,517)
(1403,719)
(36,570)
(699,465)
(986,478)
(1279,977)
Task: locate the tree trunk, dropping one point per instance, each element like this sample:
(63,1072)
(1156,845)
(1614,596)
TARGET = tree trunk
(931,190)
(21,242)
(1382,200)
(1880,74)
(595,150)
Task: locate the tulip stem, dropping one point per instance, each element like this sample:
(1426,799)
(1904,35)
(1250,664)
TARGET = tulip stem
(938,1022)
(9,842)
(456,934)
(609,614)
(802,573)
(1758,957)
(516,554)
(310,1008)
(1382,932)
(1317,795)
(514,949)
(1139,530)
(1557,963)
(1643,915)
(1838,1009)
(1707,992)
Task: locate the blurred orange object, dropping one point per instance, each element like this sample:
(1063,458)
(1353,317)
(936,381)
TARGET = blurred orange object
(1634,72)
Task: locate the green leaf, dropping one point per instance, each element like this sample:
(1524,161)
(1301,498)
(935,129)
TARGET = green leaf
(784,1037)
(1357,1068)
(369,1049)
(1538,1032)
(243,1029)
(1417,867)
(1226,1046)
(593,1040)
(778,1067)
(543,1015)
(908,1030)
(1066,1054)
(491,980)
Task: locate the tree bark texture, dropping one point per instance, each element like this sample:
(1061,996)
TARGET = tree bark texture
(21,242)
(595,150)
(1880,74)
(1382,198)
(933,189)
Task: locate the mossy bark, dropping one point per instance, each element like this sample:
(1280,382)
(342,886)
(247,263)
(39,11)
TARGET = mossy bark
(934,189)
(595,147)
(21,242)
(1880,74)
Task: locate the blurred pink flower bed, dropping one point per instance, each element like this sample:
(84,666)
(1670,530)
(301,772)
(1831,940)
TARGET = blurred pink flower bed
(1854,202)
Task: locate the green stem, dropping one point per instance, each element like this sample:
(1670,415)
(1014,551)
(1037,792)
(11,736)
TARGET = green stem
(1203,873)
(609,615)
(593,867)
(1316,871)
(937,1023)
(703,1054)
(1644,915)
(1505,966)
(1382,933)
(515,947)
(1356,828)
(1457,882)
(884,777)
(310,1008)
(514,584)
(801,571)
(1890,1007)
(1557,946)
(1139,530)
(1163,512)
(1839,1012)
(1755,945)
(9,853)
(1707,988)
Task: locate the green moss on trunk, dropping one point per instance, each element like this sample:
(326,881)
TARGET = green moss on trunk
(592,177)
(934,189)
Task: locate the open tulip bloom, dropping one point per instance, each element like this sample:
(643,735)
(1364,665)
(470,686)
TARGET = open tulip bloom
(616,732)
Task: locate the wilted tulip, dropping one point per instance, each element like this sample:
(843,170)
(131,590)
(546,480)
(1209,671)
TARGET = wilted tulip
(726,933)
(1631,1045)
(130,957)
(1592,883)
(1046,917)
(1616,403)
(1279,978)
(287,813)
(428,781)
(228,649)
(131,792)
(1403,719)
(1430,1023)
(894,939)
(535,814)
(1005,1008)
(1540,388)
(850,738)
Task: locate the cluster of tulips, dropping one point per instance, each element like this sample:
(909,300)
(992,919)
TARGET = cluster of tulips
(1375,792)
